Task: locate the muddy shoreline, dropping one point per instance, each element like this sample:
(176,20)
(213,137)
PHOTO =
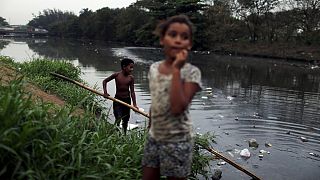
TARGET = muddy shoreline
(304,54)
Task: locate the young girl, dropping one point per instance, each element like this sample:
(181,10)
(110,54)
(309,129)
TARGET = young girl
(173,83)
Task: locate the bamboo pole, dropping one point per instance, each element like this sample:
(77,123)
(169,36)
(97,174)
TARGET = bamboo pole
(99,93)
(146,115)
(232,163)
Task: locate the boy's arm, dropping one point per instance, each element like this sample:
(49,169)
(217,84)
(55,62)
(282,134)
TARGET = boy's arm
(133,94)
(105,82)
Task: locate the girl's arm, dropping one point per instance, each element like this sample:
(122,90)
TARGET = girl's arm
(181,93)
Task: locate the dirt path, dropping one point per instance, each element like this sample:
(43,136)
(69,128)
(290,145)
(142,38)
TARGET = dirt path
(8,74)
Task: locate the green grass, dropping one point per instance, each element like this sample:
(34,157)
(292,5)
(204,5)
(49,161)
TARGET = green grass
(39,71)
(42,141)
(38,144)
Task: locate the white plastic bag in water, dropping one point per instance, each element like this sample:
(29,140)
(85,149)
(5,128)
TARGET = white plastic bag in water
(245,153)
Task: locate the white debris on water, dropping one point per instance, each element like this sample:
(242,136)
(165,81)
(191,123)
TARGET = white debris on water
(237,151)
(303,139)
(260,156)
(313,154)
(245,153)
(230,153)
(139,121)
(221,163)
(264,151)
(272,118)
(230,98)
(268,144)
(197,133)
(314,67)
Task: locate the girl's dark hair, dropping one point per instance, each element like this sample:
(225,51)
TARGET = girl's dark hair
(125,62)
(163,26)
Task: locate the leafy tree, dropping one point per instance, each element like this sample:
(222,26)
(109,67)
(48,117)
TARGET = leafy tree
(105,23)
(221,26)
(127,22)
(3,22)
(161,9)
(55,21)
(308,16)
(254,13)
(86,23)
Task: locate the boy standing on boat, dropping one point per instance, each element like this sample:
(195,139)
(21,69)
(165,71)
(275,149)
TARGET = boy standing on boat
(124,92)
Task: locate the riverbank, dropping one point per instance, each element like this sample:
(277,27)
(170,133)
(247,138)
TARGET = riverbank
(42,135)
(41,123)
(292,52)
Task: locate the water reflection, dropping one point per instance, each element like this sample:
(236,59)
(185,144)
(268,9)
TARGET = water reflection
(270,100)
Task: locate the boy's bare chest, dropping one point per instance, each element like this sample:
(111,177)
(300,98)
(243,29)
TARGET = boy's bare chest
(123,80)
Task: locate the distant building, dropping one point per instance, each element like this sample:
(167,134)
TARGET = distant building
(22,30)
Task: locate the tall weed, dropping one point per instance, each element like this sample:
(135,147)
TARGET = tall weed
(38,144)
(39,71)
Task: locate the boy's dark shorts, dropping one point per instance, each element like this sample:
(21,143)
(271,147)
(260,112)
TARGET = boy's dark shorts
(173,159)
(121,112)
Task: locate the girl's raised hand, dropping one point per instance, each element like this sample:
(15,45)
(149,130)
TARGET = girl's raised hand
(181,58)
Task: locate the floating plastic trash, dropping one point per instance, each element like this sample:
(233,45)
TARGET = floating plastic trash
(303,139)
(272,118)
(221,116)
(313,154)
(141,109)
(245,153)
(267,144)
(139,121)
(230,98)
(221,163)
(230,153)
(204,97)
(253,143)
(264,151)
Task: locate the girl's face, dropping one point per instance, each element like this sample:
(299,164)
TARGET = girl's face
(176,38)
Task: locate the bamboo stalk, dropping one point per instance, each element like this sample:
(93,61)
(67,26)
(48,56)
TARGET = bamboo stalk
(232,163)
(99,93)
(146,115)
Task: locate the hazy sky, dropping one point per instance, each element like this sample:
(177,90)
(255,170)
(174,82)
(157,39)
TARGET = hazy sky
(18,12)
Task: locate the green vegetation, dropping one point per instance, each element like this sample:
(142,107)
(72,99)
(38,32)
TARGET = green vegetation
(39,71)
(36,144)
(40,140)
(217,22)
(3,22)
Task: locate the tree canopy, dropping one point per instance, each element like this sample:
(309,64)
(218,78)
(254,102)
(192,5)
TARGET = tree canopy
(3,22)
(216,21)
